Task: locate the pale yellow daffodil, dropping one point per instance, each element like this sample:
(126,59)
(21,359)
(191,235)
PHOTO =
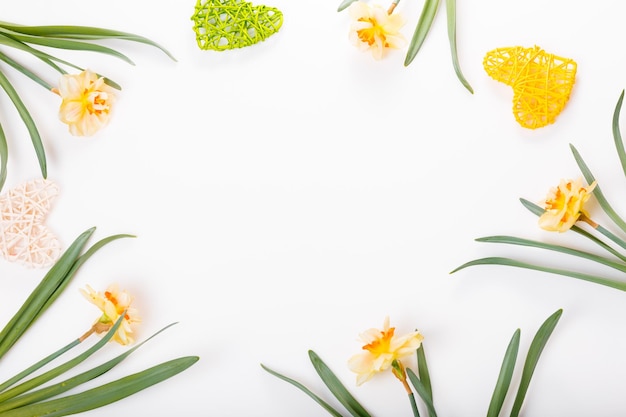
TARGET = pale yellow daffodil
(113,303)
(86,102)
(381,348)
(374,29)
(564,205)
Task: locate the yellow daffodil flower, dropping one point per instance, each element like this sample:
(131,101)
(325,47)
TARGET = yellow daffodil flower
(113,303)
(381,348)
(564,205)
(374,29)
(86,102)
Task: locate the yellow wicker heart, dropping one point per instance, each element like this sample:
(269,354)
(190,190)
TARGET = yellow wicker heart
(221,25)
(542,82)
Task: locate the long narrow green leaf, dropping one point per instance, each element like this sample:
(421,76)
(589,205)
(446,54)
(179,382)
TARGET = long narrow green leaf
(597,192)
(83,32)
(539,211)
(536,347)
(505,376)
(512,262)
(307,391)
(424,23)
(422,392)
(71,45)
(344,5)
(422,372)
(61,369)
(451,15)
(617,136)
(25,71)
(44,57)
(4,157)
(36,301)
(66,385)
(77,264)
(107,393)
(28,121)
(557,248)
(336,387)
(36,366)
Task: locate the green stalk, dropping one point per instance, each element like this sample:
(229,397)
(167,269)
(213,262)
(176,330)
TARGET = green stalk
(307,391)
(429,10)
(25,71)
(597,192)
(336,387)
(422,392)
(105,394)
(4,156)
(536,347)
(617,136)
(68,384)
(512,262)
(416,412)
(28,121)
(504,377)
(451,20)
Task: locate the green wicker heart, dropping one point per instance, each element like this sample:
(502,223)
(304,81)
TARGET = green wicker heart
(228,24)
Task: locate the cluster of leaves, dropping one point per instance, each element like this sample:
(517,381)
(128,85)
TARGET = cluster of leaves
(424,23)
(617,259)
(23,38)
(29,398)
(422,382)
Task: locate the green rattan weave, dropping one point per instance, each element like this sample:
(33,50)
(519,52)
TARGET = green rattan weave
(221,25)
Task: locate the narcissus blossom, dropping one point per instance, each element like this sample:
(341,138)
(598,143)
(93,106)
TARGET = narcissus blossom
(87,101)
(381,348)
(565,204)
(113,303)
(374,29)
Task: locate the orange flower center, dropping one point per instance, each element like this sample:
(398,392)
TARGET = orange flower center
(368,35)
(382,344)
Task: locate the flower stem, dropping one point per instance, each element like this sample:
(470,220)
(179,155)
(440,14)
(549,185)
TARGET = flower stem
(416,413)
(392,7)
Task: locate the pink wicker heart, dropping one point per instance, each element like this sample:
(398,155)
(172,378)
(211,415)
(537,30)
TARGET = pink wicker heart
(24,238)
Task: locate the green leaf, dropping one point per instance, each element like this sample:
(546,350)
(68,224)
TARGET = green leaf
(4,156)
(505,376)
(422,392)
(536,347)
(66,385)
(44,57)
(304,389)
(336,387)
(557,248)
(28,121)
(451,14)
(37,301)
(597,192)
(61,369)
(424,23)
(66,44)
(617,136)
(344,5)
(25,71)
(512,262)
(105,394)
(422,371)
(82,32)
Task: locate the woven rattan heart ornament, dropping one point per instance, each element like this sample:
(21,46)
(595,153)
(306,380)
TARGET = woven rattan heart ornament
(221,25)
(24,238)
(541,82)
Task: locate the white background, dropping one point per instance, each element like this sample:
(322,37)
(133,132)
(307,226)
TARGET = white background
(290,195)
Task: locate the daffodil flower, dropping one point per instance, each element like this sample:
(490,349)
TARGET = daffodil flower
(374,29)
(381,348)
(564,205)
(113,303)
(86,102)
